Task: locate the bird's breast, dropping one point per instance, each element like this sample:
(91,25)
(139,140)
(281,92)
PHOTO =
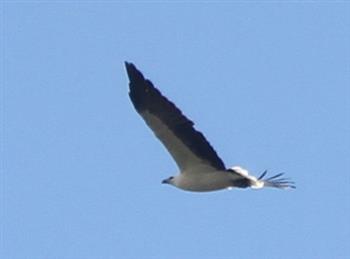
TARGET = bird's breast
(203,182)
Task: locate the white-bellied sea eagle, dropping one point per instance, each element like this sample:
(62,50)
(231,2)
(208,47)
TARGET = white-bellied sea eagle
(201,169)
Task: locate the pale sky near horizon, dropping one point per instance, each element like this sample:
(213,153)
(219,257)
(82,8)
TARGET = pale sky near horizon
(268,84)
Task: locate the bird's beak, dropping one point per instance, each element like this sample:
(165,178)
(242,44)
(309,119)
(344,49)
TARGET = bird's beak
(165,181)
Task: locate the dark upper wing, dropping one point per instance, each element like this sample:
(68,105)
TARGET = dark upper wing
(187,146)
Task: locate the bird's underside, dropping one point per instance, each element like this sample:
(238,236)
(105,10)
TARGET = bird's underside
(201,168)
(235,177)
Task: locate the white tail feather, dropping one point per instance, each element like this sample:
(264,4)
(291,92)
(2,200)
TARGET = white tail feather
(258,183)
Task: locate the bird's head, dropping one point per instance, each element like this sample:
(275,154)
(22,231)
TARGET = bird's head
(169,180)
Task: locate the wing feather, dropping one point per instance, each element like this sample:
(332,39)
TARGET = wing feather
(187,146)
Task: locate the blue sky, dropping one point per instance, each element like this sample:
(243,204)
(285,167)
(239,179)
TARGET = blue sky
(267,83)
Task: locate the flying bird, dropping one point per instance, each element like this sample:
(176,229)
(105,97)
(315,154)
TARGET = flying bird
(201,169)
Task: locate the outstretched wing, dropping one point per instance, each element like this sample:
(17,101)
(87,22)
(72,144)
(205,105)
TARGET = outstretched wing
(187,146)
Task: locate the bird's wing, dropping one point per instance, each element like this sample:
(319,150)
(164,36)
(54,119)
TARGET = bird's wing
(187,146)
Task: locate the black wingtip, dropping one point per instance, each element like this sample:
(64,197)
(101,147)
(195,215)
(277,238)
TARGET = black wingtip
(128,64)
(135,76)
(138,86)
(129,67)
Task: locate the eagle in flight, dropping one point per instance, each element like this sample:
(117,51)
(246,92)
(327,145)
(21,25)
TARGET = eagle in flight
(201,169)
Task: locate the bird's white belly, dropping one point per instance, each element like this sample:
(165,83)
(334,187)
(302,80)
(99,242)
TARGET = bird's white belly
(204,182)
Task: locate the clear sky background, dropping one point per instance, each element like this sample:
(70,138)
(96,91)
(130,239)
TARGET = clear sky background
(267,83)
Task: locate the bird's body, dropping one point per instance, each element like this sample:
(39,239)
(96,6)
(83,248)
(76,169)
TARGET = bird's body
(201,169)
(204,181)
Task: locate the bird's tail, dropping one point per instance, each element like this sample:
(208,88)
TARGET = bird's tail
(276,181)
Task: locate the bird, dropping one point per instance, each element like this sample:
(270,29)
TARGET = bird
(201,169)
